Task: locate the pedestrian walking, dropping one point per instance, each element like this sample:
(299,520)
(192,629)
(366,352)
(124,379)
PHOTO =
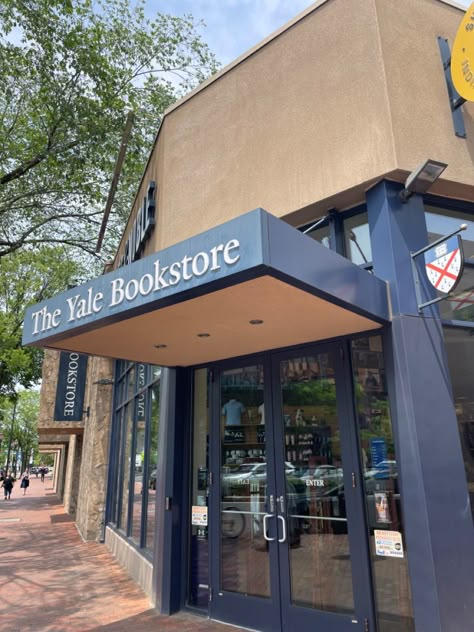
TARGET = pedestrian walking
(7,485)
(25,482)
(42,472)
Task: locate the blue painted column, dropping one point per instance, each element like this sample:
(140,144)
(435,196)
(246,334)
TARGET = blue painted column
(438,524)
(169,569)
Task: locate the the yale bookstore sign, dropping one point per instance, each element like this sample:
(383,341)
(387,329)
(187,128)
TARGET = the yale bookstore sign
(149,282)
(70,388)
(120,289)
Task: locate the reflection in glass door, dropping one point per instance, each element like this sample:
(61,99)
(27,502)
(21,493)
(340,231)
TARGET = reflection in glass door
(243,483)
(244,566)
(319,551)
(382,490)
(288,541)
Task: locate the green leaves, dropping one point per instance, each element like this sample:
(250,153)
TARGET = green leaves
(28,277)
(69,72)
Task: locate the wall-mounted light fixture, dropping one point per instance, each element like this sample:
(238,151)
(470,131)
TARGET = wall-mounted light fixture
(421,179)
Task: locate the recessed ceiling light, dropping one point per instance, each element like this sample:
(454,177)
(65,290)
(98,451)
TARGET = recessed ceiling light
(256,321)
(160,346)
(203,335)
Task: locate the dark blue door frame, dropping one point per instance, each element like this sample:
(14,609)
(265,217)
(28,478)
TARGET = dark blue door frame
(248,611)
(277,612)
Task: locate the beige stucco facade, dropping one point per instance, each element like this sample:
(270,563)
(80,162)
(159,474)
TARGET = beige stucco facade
(307,120)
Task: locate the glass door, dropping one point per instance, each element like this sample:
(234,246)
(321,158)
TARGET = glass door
(288,538)
(244,566)
(323,551)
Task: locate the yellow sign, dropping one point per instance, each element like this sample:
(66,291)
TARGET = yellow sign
(462,57)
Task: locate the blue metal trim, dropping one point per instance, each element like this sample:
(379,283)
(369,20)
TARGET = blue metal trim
(458,324)
(167,555)
(397,229)
(305,263)
(435,496)
(267,245)
(449,204)
(336,233)
(455,100)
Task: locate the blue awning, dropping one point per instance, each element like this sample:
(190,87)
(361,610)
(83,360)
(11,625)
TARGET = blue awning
(194,302)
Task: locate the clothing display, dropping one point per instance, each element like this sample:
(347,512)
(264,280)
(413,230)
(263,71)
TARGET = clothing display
(233,411)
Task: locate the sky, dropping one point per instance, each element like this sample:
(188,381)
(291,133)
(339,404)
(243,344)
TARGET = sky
(234,26)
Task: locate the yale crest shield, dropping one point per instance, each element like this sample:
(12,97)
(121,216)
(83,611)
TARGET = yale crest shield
(444,264)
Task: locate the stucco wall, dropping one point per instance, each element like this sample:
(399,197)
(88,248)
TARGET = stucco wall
(277,130)
(311,118)
(416,87)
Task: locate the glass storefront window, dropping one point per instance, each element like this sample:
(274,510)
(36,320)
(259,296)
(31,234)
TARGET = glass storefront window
(321,234)
(440,222)
(460,306)
(320,557)
(199,546)
(382,492)
(243,482)
(459,348)
(138,480)
(126,466)
(152,465)
(357,239)
(136,420)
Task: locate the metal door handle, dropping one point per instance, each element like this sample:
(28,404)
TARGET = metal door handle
(283,538)
(265,518)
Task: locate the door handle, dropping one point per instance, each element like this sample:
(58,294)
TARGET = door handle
(265,518)
(283,537)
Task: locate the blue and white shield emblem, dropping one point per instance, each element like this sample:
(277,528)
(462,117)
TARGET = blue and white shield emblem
(444,264)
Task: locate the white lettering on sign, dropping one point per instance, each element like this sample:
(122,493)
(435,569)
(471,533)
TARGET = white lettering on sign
(314,482)
(141,228)
(44,320)
(179,271)
(82,306)
(71,384)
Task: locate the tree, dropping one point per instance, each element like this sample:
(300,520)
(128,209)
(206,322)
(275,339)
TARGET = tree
(19,427)
(69,72)
(27,277)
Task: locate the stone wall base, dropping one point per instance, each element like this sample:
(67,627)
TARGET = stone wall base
(139,568)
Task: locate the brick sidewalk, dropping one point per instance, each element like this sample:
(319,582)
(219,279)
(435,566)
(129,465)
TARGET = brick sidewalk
(52,581)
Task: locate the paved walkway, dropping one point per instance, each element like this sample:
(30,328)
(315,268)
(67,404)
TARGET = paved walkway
(52,581)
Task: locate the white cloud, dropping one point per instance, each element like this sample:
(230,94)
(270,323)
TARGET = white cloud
(233,26)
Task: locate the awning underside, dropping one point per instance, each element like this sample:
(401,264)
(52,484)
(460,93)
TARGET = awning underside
(290,316)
